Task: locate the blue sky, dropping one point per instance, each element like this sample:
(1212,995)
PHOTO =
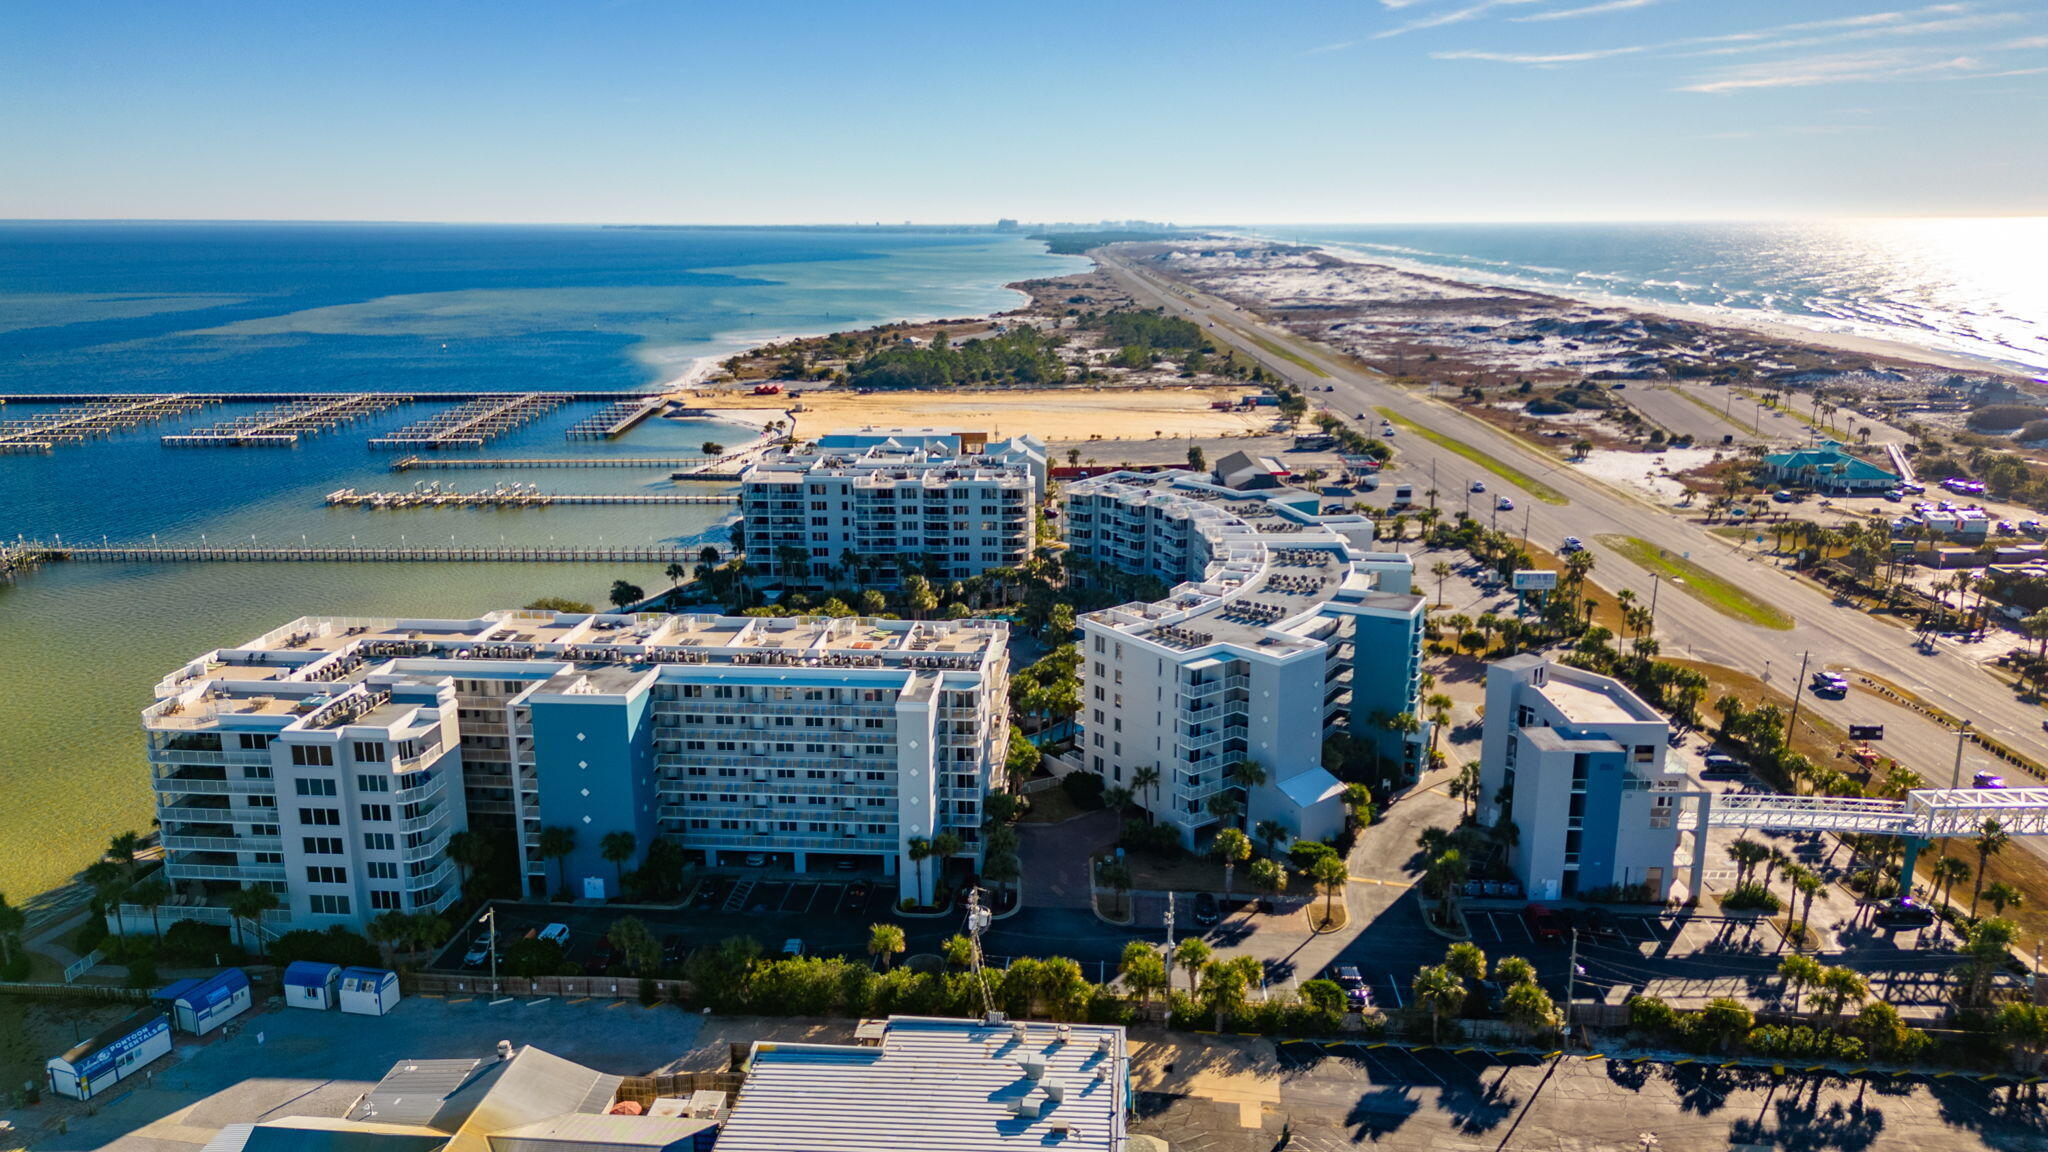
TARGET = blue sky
(687,111)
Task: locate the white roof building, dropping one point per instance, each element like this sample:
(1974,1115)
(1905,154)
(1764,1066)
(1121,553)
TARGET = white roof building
(936,1085)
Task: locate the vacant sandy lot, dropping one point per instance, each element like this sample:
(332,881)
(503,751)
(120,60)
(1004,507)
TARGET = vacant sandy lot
(1050,414)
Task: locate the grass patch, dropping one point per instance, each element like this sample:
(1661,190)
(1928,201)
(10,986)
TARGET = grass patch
(1699,583)
(1512,475)
(1285,353)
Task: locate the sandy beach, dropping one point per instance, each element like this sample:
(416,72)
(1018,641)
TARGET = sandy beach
(1061,414)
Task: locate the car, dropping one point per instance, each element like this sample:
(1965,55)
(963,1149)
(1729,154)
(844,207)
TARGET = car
(1895,494)
(479,953)
(1356,992)
(1906,913)
(1479,485)
(2033,527)
(792,948)
(2008,528)
(756,860)
(1365,415)
(1504,504)
(1784,496)
(1987,780)
(1207,911)
(1544,923)
(1388,431)
(556,933)
(606,955)
(1830,684)
(1721,766)
(1617,385)
(1602,924)
(857,892)
(674,947)
(1572,544)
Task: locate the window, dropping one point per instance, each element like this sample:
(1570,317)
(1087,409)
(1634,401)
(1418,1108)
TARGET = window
(326,874)
(327,905)
(313,755)
(380,842)
(262,801)
(1646,753)
(383,901)
(255,739)
(365,782)
(376,811)
(381,869)
(255,771)
(306,787)
(326,817)
(321,845)
(369,751)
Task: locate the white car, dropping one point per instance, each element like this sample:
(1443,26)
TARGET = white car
(1479,485)
(558,933)
(1504,504)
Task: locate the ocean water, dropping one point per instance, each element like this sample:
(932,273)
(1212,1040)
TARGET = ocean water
(271,308)
(1969,286)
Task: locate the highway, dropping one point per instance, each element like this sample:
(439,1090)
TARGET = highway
(1835,636)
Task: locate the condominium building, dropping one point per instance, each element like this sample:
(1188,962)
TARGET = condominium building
(1284,626)
(332,758)
(879,507)
(1577,763)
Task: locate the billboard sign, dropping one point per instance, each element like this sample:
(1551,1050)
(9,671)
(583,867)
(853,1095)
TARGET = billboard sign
(1535,580)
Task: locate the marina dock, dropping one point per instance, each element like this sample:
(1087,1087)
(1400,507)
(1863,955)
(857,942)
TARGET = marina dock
(34,552)
(408,463)
(282,426)
(615,420)
(509,496)
(93,418)
(474,424)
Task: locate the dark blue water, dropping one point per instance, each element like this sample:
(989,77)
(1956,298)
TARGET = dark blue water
(1971,286)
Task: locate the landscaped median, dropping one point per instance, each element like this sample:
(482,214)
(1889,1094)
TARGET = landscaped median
(1507,472)
(1717,593)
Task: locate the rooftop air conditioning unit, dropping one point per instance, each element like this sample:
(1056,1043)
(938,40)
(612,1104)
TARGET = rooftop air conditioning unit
(1034,1068)
(1066,1033)
(1055,1091)
(1018,1030)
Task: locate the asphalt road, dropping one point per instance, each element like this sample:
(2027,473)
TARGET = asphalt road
(1834,635)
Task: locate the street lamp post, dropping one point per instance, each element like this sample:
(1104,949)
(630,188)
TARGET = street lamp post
(490,917)
(1955,777)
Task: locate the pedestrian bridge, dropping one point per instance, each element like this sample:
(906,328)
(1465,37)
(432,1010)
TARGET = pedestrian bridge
(1923,815)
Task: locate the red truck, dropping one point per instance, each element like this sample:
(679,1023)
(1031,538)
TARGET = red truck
(767,389)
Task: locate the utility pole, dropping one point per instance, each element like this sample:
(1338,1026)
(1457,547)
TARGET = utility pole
(1798,694)
(1168,1021)
(491,918)
(978,920)
(1656,582)
(1955,777)
(1571,985)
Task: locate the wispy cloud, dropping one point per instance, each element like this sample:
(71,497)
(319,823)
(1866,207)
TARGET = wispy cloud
(1838,69)
(1588,10)
(1894,31)
(1789,130)
(1453,16)
(1339,46)
(2027,42)
(1539,59)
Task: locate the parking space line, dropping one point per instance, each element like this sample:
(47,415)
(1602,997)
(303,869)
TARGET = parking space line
(542,1000)
(1424,1065)
(502,1000)
(1527,935)
(1396,986)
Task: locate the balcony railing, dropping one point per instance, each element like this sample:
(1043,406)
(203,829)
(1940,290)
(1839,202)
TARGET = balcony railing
(176,871)
(223,843)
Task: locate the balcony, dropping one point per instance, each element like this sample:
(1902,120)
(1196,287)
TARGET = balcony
(176,871)
(417,883)
(174,814)
(192,785)
(223,843)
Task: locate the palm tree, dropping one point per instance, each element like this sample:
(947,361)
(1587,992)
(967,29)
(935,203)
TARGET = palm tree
(1271,833)
(1224,807)
(1002,869)
(152,894)
(1839,986)
(1991,840)
(1115,875)
(1192,955)
(1116,798)
(12,921)
(1269,876)
(885,943)
(1330,875)
(1439,706)
(388,930)
(1146,779)
(920,850)
(122,849)
(2002,896)
(618,847)
(1442,571)
(556,842)
(1233,848)
(1143,970)
(1947,872)
(470,850)
(249,904)
(1800,972)
(1439,992)
(1809,885)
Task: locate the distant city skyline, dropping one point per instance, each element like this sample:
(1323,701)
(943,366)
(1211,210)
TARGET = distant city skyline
(646,111)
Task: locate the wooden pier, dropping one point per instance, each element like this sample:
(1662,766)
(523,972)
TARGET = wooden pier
(37,552)
(92,419)
(615,420)
(509,496)
(474,424)
(282,426)
(16,558)
(650,463)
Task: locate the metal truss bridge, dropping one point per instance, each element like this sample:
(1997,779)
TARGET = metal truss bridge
(1924,814)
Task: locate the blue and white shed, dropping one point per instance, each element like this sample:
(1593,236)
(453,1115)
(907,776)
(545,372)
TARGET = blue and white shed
(200,1006)
(311,984)
(111,1056)
(368,991)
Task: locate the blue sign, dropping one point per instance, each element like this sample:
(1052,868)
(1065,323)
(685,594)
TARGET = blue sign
(111,1055)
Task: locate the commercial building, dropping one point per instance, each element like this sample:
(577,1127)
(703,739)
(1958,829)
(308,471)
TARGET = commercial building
(1577,763)
(887,503)
(115,1054)
(1829,467)
(331,759)
(1284,625)
(960,1085)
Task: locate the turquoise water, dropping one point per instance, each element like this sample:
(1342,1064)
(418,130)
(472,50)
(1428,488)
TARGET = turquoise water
(127,308)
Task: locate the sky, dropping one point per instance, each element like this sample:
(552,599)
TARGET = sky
(1198,111)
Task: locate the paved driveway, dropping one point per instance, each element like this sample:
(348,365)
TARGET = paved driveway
(1055,858)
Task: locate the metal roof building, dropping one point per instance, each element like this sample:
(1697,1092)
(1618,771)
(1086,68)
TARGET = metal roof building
(938,1085)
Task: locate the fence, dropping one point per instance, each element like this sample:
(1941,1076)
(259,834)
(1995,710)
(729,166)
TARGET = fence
(646,1089)
(84,991)
(615,987)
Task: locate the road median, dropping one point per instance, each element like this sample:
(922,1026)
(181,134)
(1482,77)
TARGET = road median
(1527,483)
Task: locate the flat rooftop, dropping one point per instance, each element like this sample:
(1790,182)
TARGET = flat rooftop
(1582,705)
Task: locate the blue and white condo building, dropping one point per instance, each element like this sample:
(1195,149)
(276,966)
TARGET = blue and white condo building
(1283,626)
(331,760)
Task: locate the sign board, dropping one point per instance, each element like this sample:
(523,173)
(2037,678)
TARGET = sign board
(1535,580)
(1866,731)
(593,887)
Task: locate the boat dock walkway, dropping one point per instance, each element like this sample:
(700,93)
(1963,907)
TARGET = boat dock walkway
(100,416)
(474,424)
(408,463)
(509,496)
(615,420)
(36,552)
(282,426)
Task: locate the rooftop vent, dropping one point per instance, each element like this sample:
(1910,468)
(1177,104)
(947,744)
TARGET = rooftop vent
(1104,1044)
(1017,1031)
(1034,1068)
(1066,1033)
(1055,1091)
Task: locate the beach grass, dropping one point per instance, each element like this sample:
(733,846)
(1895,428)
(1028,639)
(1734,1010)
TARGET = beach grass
(1699,583)
(1508,472)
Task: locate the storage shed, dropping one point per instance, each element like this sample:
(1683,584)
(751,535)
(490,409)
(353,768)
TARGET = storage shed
(311,984)
(111,1056)
(368,991)
(200,1006)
